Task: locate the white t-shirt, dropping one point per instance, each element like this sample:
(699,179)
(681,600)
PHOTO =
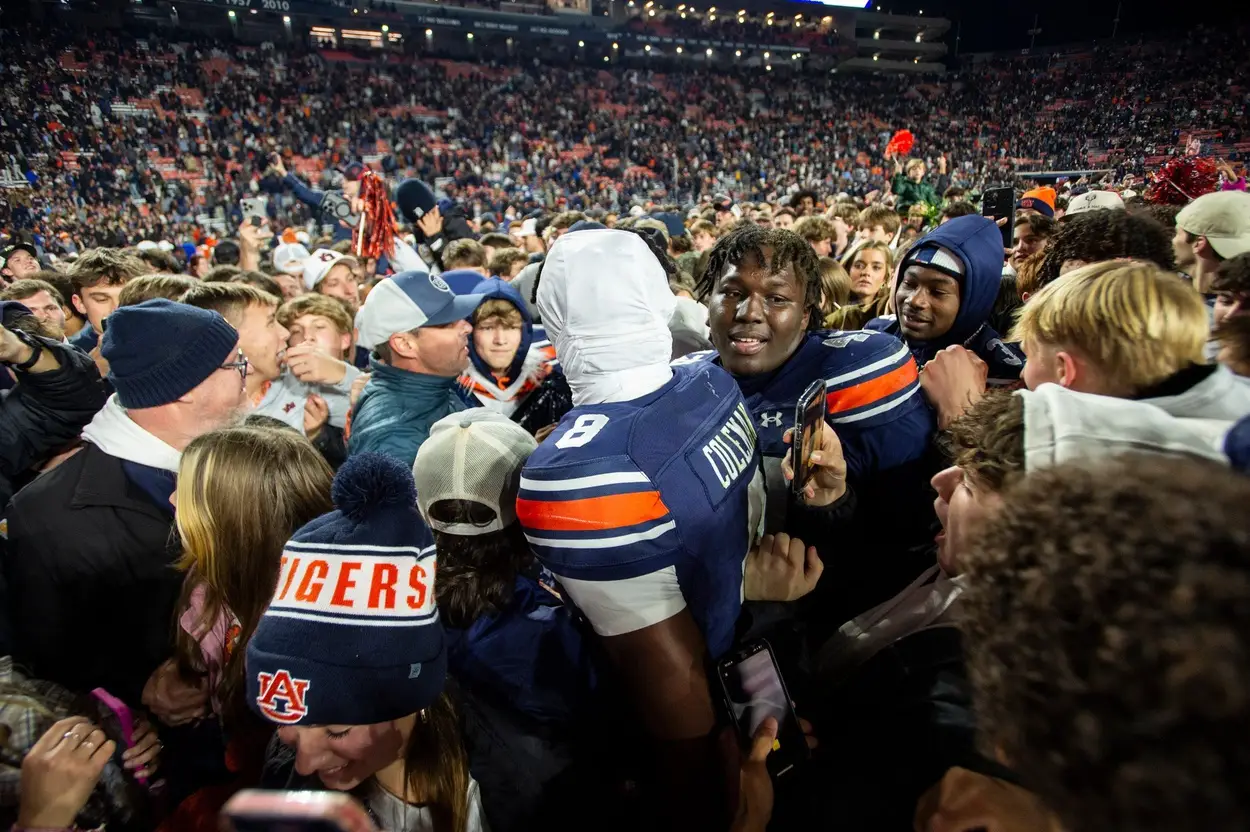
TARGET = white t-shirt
(394,815)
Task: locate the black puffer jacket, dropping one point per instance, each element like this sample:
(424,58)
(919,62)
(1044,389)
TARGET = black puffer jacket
(44,412)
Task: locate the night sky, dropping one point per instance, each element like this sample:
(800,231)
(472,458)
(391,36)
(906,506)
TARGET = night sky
(989,25)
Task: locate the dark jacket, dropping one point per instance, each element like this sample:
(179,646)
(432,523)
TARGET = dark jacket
(90,575)
(45,412)
(978,244)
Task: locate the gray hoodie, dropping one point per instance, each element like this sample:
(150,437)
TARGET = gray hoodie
(285,398)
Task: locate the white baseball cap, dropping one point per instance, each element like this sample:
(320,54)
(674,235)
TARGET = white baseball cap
(474,455)
(317,264)
(529,228)
(1223,218)
(289,258)
(409,300)
(1093,201)
(146,245)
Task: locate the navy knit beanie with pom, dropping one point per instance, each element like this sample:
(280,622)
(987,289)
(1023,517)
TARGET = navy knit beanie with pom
(352,636)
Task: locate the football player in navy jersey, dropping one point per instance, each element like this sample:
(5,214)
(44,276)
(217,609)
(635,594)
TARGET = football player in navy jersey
(641,500)
(763,292)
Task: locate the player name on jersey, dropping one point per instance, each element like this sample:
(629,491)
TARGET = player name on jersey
(732,450)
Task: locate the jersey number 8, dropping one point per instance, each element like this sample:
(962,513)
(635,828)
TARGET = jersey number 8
(586,428)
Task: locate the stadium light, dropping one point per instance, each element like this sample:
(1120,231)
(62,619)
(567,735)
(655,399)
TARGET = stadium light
(708,52)
(429,33)
(605,59)
(254,11)
(876,35)
(767,55)
(647,48)
(919,37)
(682,7)
(651,13)
(877,57)
(737,53)
(650,3)
(581,44)
(768,67)
(616,46)
(385,28)
(769,21)
(286,18)
(230,14)
(795,56)
(470,36)
(679,50)
(683,15)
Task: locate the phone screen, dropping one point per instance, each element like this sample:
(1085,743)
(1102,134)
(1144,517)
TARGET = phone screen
(1000,203)
(754,691)
(809,413)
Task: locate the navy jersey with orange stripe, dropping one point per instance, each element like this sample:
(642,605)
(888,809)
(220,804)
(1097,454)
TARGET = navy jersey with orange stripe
(874,403)
(644,507)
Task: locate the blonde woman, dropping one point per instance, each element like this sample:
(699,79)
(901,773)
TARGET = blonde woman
(870,265)
(241,492)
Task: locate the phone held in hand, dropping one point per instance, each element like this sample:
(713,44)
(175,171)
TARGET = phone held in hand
(1000,203)
(255,810)
(809,415)
(254,209)
(754,690)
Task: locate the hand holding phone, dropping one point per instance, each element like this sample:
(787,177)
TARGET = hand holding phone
(809,415)
(1000,204)
(815,465)
(754,691)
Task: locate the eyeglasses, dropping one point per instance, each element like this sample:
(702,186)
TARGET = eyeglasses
(240,365)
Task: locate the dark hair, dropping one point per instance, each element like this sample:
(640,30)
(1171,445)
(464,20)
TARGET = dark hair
(1105,626)
(160,261)
(496,240)
(656,243)
(226,253)
(1233,275)
(1097,236)
(476,574)
(959,208)
(789,249)
(796,201)
(1165,215)
(1039,224)
(1234,337)
(987,441)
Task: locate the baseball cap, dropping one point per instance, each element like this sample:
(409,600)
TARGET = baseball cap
(528,228)
(407,301)
(290,258)
(316,265)
(8,251)
(1223,218)
(475,455)
(1094,201)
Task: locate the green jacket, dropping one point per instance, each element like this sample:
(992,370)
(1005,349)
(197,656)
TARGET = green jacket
(909,192)
(396,410)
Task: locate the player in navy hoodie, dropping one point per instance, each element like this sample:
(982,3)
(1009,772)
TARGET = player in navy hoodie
(944,293)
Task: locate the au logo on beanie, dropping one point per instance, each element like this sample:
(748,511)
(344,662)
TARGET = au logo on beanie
(281,697)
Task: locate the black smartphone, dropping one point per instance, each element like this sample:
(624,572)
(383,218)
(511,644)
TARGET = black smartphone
(754,690)
(809,415)
(1000,203)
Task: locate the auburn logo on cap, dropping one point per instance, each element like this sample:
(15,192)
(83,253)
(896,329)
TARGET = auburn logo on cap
(281,698)
(327,256)
(439,284)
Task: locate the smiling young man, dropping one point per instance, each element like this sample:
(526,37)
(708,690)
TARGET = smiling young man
(303,386)
(98,277)
(763,290)
(944,293)
(43,301)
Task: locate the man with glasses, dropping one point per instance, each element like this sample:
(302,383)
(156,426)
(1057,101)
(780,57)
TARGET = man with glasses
(89,561)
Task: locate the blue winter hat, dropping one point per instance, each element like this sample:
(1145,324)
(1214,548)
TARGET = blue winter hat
(352,636)
(672,222)
(159,350)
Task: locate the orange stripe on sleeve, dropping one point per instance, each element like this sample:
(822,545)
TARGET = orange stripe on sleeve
(867,392)
(613,511)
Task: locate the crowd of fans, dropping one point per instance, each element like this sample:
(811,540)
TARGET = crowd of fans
(473,529)
(210,114)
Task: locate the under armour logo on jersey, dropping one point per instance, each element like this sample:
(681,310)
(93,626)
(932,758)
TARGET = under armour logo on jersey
(281,698)
(770,420)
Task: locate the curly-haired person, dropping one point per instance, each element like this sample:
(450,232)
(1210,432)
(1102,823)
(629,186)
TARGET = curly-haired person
(1105,622)
(1097,236)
